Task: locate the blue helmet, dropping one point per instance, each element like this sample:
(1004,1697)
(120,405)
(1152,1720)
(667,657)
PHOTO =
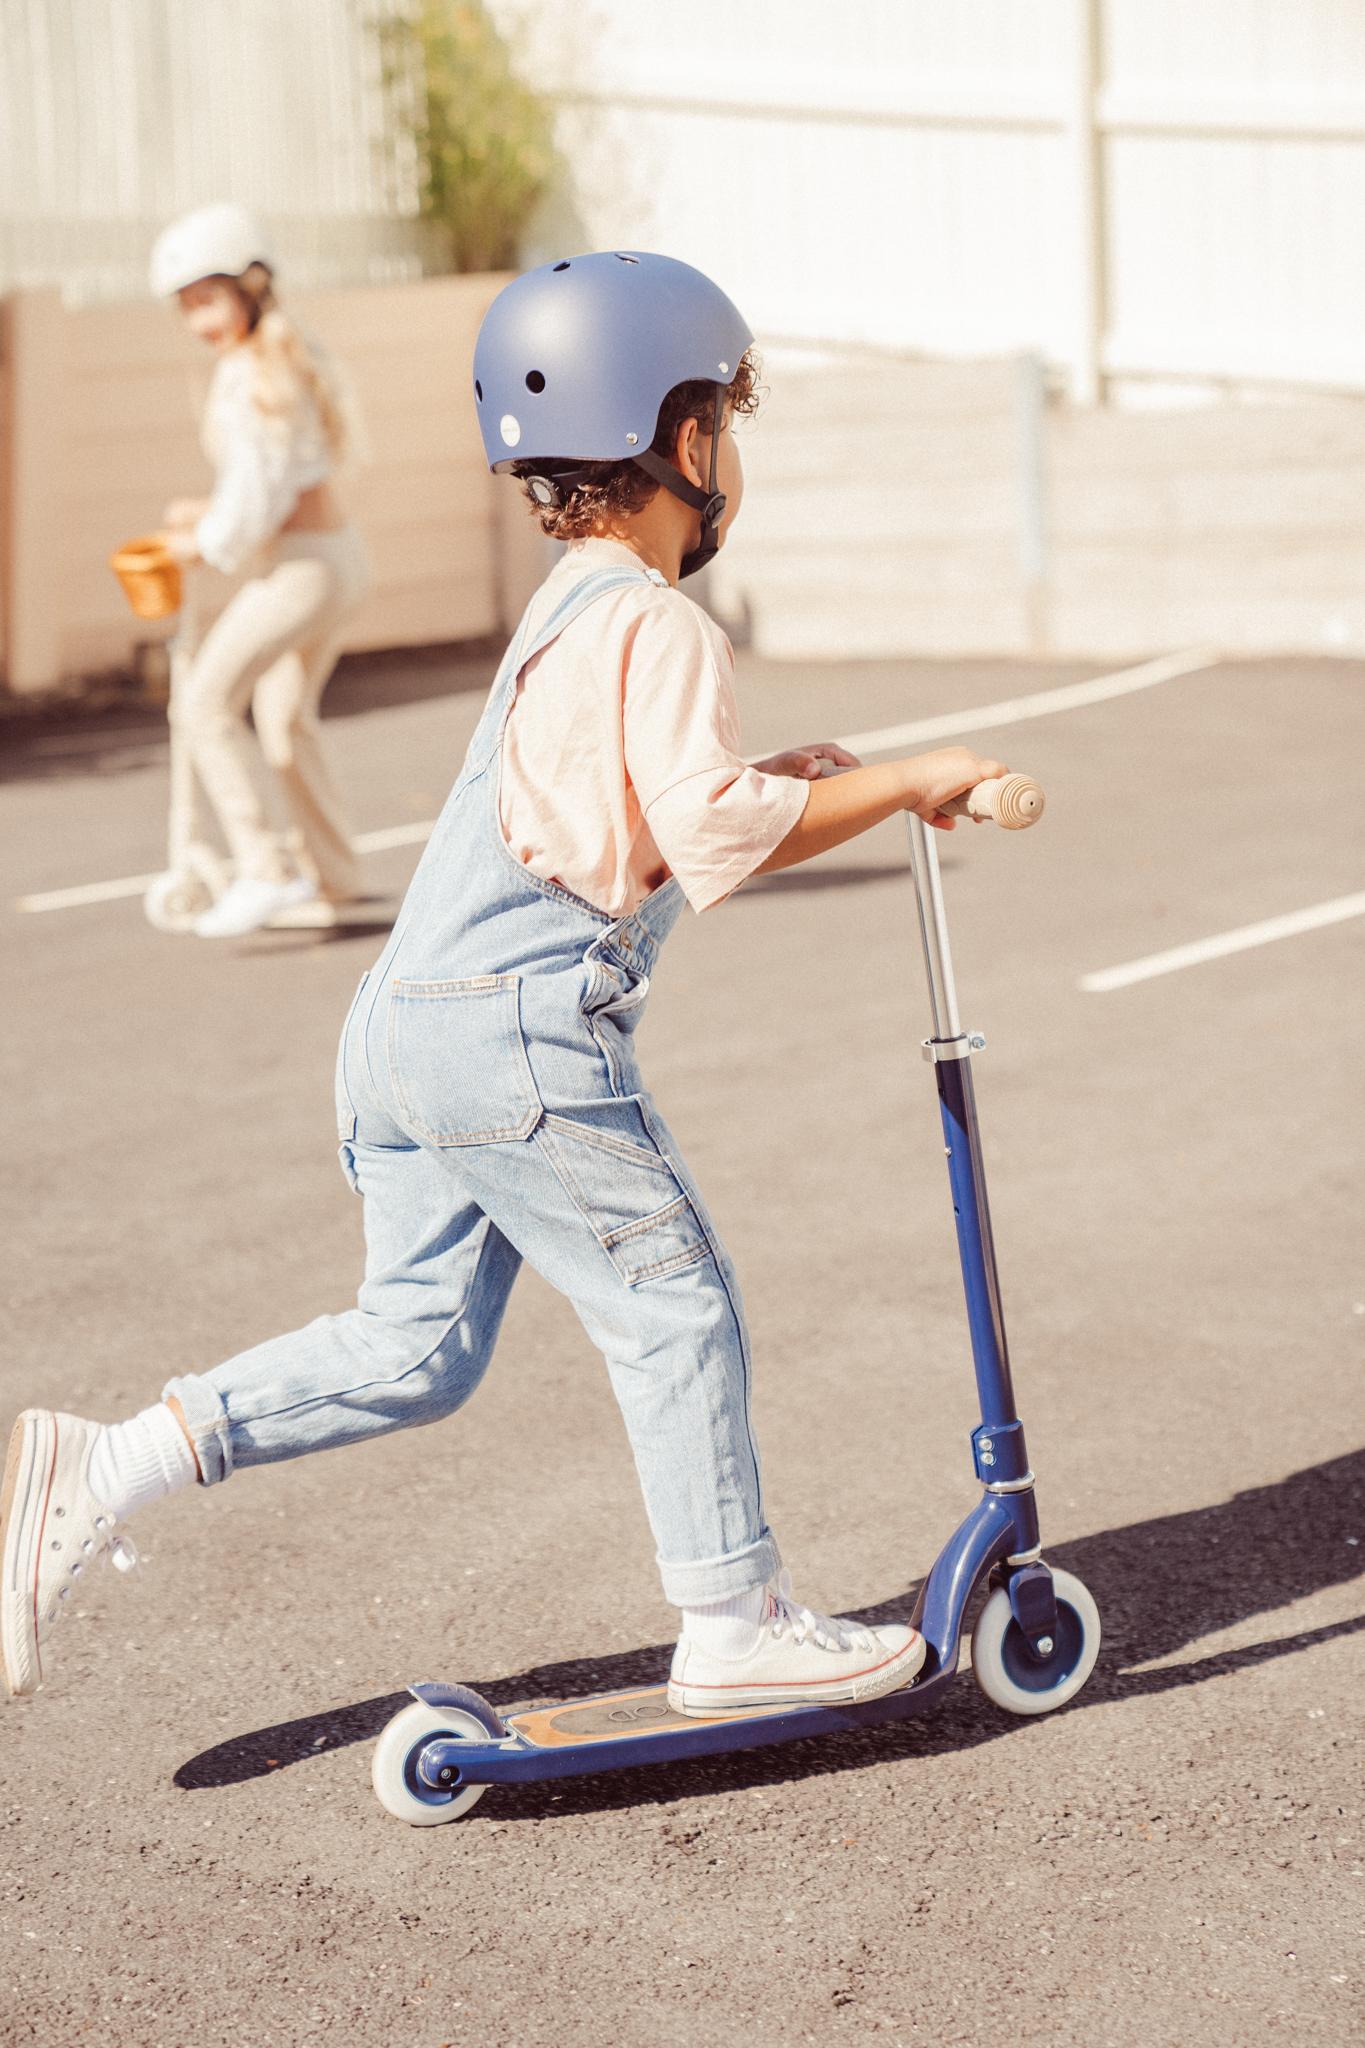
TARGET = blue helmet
(574,360)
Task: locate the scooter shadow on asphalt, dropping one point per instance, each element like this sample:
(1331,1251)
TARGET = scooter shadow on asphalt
(1160,1585)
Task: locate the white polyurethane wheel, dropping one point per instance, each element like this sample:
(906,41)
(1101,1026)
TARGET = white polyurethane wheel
(1006,1671)
(398,1788)
(175,899)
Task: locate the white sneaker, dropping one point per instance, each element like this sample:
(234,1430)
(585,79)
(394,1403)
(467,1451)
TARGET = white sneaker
(798,1659)
(247,906)
(51,1528)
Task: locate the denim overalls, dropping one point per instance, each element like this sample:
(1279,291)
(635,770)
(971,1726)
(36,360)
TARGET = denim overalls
(490,1110)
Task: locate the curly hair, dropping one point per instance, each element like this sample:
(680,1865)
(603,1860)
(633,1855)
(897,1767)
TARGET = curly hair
(606,490)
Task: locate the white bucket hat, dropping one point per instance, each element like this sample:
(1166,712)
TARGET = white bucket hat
(213,241)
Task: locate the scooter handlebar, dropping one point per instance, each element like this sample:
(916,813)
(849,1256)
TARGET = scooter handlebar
(1014,801)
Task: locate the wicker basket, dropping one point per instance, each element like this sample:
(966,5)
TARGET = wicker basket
(150,576)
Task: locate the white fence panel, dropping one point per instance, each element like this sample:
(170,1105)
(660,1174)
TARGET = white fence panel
(1142,188)
(118,114)
(1235,189)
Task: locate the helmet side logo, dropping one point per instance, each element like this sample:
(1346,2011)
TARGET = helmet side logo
(510,429)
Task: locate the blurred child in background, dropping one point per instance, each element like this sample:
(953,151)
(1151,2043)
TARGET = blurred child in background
(275,431)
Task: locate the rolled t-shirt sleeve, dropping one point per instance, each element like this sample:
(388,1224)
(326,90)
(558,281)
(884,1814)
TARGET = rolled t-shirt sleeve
(713,818)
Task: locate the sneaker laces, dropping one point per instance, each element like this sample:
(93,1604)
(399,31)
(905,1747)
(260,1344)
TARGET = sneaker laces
(117,1548)
(786,1616)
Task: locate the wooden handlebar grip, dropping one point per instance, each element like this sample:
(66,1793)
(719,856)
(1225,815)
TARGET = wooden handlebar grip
(1013,801)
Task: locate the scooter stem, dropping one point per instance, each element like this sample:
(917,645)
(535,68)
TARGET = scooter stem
(933,925)
(950,1050)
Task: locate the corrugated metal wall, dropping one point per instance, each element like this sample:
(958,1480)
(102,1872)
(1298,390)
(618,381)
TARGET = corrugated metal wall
(117,114)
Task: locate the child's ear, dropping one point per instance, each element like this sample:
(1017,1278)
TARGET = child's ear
(686,452)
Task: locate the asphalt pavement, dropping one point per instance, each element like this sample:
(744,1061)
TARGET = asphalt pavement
(190,1851)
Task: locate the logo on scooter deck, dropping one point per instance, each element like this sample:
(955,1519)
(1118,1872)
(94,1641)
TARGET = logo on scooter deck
(624,1718)
(630,1714)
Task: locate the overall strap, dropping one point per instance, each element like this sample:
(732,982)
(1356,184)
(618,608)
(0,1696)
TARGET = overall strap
(597,583)
(525,645)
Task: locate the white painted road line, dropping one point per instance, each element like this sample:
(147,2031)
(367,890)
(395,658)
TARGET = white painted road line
(1010,711)
(137,885)
(90,892)
(1239,941)
(1014,710)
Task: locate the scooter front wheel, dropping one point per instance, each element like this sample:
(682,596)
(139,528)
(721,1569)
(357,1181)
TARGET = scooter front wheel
(393,1772)
(174,900)
(1005,1666)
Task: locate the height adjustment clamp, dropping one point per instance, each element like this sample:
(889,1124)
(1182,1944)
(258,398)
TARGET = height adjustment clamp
(960,1048)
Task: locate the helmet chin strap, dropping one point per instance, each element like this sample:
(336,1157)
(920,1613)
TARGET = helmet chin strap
(710,502)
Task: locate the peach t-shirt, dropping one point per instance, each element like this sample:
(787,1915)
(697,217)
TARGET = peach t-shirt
(620,761)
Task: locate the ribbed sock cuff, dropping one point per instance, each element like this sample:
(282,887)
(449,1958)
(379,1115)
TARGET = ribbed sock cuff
(139,1461)
(726,1628)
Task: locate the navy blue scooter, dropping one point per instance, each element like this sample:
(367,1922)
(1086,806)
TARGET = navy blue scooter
(1037,1636)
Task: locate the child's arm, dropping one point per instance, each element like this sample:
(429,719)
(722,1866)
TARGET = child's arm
(840,806)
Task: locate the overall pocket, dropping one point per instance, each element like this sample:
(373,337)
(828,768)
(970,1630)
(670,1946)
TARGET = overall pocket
(625,1189)
(457,1060)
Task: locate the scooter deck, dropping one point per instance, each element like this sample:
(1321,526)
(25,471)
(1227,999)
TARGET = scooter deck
(615,1717)
(612,1731)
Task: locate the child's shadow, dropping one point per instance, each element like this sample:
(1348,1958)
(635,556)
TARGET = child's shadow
(1159,1584)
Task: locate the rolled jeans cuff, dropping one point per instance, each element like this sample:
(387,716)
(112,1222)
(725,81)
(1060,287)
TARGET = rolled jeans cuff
(721,1578)
(206,1419)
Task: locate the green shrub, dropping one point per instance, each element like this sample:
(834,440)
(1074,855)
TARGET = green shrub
(484,140)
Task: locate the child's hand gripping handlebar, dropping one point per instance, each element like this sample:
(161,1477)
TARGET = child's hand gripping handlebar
(1013,801)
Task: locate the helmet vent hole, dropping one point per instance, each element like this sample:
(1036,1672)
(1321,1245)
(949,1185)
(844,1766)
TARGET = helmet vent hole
(622,258)
(561,266)
(478,391)
(534,381)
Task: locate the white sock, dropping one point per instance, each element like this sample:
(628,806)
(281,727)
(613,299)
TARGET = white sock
(141,1460)
(726,1628)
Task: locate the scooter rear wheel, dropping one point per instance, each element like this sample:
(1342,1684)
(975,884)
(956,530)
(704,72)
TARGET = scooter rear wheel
(393,1771)
(1005,1667)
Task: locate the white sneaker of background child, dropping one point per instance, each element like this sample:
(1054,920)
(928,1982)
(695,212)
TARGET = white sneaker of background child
(247,906)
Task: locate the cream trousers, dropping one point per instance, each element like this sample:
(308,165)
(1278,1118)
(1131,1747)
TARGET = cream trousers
(273,646)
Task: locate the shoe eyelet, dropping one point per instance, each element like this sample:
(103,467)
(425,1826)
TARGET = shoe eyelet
(55,1544)
(59,1512)
(87,1546)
